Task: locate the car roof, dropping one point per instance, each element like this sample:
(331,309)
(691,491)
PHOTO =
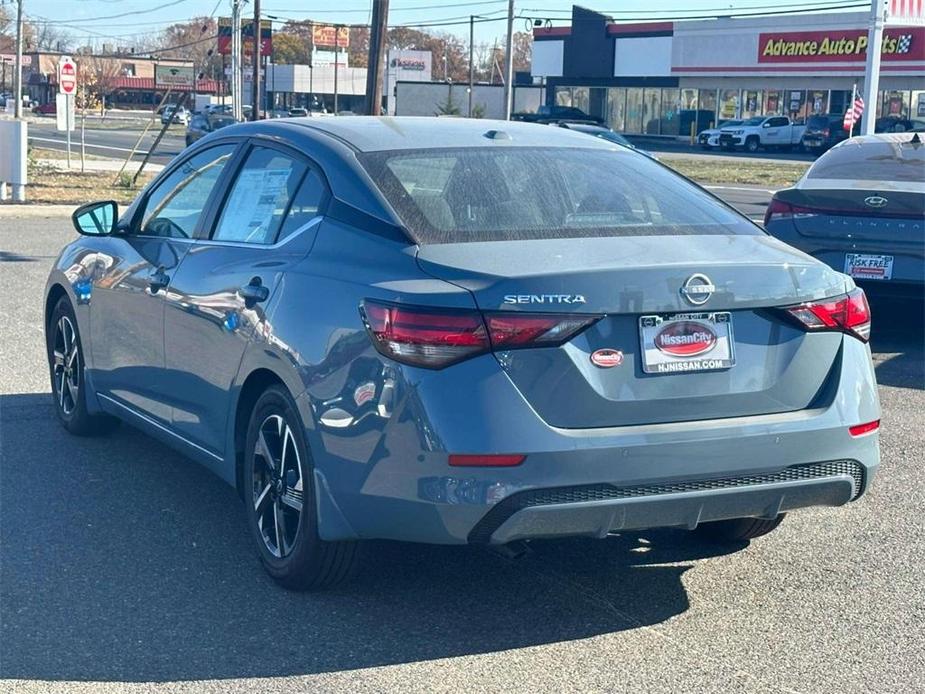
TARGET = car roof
(382,133)
(887,142)
(585,127)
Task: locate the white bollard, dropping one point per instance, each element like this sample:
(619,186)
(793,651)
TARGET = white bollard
(14,136)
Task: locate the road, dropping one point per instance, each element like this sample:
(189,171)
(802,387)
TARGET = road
(128,568)
(116,140)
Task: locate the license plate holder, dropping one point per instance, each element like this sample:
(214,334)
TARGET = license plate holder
(686,342)
(869,266)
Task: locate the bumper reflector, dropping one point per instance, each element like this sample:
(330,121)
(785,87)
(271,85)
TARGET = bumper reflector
(861,429)
(486,460)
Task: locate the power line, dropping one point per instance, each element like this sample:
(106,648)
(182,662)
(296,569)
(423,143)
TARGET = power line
(392,10)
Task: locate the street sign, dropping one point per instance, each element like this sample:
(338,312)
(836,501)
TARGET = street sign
(64,113)
(67,76)
(11,58)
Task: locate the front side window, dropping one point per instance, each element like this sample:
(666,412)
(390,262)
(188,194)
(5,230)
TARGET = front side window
(174,207)
(490,194)
(260,198)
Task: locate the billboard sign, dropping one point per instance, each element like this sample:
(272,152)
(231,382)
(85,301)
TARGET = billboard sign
(174,76)
(329,36)
(247,36)
(409,66)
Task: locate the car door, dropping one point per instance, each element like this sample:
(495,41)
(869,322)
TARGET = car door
(135,268)
(263,223)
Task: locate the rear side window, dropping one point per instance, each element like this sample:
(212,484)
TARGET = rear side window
(886,160)
(259,200)
(518,193)
(306,205)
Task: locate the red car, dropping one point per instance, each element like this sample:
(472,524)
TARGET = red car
(48,109)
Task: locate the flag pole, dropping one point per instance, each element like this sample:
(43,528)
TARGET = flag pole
(854,96)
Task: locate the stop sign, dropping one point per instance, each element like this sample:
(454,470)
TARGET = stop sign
(67,75)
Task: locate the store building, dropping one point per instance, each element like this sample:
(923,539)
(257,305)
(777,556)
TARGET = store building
(659,78)
(129,80)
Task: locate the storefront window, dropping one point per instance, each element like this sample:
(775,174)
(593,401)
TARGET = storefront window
(729,104)
(634,110)
(796,104)
(772,102)
(895,105)
(651,112)
(751,105)
(818,101)
(707,100)
(578,97)
(671,112)
(839,101)
(918,105)
(616,108)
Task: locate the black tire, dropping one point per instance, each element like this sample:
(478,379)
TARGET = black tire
(739,529)
(66,369)
(752,143)
(308,562)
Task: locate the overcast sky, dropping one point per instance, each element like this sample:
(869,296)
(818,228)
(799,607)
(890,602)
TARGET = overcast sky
(123,21)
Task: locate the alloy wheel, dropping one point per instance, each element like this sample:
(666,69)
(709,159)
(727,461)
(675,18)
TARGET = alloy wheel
(66,365)
(277,485)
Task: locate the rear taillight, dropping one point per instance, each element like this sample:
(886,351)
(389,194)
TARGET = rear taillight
(778,209)
(437,337)
(848,313)
(513,330)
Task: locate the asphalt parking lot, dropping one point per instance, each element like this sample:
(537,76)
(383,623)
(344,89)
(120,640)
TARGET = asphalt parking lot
(124,567)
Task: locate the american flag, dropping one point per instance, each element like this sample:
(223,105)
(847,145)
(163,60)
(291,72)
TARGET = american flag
(853,114)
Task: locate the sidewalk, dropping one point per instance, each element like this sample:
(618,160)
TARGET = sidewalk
(113,165)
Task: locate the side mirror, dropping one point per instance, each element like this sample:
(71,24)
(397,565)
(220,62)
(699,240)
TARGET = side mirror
(766,124)
(96,218)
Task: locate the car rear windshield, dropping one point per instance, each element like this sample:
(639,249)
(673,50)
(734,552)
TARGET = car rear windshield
(520,193)
(888,160)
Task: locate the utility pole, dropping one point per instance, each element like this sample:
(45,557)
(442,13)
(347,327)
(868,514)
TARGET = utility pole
(380,22)
(872,69)
(509,63)
(337,28)
(236,86)
(255,114)
(471,66)
(17,74)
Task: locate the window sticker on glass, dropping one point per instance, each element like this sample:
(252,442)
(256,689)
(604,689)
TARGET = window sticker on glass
(264,199)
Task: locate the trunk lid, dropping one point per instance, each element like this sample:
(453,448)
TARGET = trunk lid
(778,367)
(859,213)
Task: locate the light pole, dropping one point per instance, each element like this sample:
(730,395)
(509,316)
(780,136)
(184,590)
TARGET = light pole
(509,63)
(17,75)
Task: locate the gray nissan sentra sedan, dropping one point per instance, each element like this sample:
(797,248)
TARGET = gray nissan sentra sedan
(461,331)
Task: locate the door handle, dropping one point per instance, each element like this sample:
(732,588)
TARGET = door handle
(158,280)
(253,292)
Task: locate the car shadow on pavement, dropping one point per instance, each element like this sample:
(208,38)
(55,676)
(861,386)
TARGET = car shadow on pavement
(898,340)
(123,561)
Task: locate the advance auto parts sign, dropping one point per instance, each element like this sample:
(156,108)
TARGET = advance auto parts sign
(834,46)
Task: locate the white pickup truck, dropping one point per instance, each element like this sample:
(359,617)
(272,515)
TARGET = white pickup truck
(762,131)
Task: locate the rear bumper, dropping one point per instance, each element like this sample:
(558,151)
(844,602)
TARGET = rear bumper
(597,510)
(392,479)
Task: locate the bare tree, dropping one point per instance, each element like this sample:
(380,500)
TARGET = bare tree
(99,75)
(48,37)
